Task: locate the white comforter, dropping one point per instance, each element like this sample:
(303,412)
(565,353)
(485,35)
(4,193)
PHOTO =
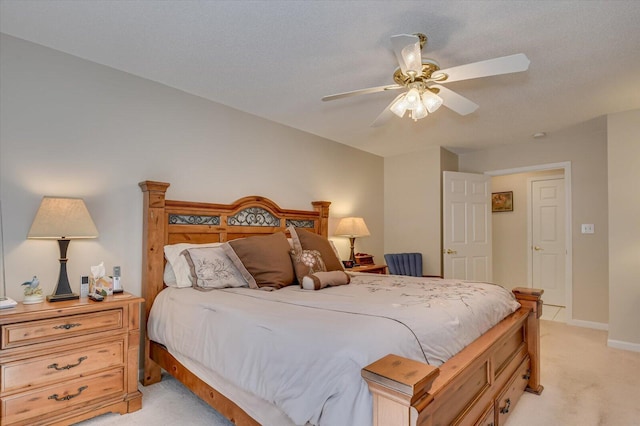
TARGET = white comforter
(303,350)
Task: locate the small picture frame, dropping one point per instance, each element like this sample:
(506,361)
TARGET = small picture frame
(502,201)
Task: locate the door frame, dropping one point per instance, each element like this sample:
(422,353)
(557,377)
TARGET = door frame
(568,266)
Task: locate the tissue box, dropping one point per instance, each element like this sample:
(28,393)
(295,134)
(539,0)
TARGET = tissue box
(102,286)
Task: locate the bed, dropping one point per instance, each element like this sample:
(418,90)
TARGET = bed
(479,384)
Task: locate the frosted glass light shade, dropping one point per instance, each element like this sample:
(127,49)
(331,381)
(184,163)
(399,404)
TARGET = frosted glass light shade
(420,111)
(399,107)
(62,218)
(431,100)
(352,227)
(412,98)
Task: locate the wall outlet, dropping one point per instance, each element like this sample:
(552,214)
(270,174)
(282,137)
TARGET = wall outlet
(588,228)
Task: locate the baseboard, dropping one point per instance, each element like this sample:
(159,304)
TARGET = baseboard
(589,324)
(627,346)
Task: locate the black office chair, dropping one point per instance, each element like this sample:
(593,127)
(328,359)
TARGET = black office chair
(404,263)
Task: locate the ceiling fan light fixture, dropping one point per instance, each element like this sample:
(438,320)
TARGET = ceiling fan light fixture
(413,98)
(423,79)
(431,101)
(420,111)
(399,107)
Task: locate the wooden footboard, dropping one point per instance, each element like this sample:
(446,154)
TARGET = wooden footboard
(478,386)
(208,394)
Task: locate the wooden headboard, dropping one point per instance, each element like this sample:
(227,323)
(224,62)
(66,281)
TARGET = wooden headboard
(169,222)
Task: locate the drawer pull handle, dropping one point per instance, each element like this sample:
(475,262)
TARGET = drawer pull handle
(527,376)
(67,397)
(506,408)
(68,366)
(67,326)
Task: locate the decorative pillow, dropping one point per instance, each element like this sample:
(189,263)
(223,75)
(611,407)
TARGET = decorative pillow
(306,262)
(211,268)
(266,258)
(324,279)
(305,240)
(177,272)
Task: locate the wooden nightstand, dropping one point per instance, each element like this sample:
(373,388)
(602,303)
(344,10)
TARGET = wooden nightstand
(372,269)
(68,361)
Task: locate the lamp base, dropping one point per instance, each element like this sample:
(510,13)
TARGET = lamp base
(61,297)
(7,302)
(63,289)
(352,256)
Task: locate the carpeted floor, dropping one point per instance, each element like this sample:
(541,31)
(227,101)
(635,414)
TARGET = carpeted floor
(585,383)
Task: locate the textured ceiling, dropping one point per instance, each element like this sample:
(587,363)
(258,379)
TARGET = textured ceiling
(276,59)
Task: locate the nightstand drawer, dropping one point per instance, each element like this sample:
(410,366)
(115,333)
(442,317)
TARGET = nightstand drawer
(31,332)
(53,399)
(60,366)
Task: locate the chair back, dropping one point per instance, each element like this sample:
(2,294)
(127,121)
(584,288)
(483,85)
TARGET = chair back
(404,263)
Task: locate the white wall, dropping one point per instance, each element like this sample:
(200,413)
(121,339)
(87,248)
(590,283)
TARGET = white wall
(70,127)
(585,146)
(624,229)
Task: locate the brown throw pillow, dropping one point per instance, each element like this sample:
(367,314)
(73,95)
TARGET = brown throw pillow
(320,280)
(306,262)
(310,241)
(266,258)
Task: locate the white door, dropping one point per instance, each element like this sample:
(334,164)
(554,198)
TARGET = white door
(548,251)
(466,221)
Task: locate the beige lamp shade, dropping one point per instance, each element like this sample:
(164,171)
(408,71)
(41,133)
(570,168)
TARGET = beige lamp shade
(352,227)
(62,218)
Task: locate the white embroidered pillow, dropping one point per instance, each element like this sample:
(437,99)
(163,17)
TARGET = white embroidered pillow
(177,272)
(211,268)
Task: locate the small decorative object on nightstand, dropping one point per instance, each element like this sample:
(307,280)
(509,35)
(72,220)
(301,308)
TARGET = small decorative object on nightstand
(364,259)
(69,361)
(32,291)
(371,269)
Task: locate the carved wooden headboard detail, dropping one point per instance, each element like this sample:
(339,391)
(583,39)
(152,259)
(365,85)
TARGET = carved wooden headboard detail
(169,222)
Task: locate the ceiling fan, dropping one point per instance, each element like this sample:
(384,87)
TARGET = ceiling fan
(423,80)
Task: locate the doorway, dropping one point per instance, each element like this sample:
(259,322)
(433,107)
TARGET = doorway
(514,248)
(546,239)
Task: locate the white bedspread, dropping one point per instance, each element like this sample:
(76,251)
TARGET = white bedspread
(303,350)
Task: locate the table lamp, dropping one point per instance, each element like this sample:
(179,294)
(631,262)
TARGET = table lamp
(5,301)
(352,227)
(63,219)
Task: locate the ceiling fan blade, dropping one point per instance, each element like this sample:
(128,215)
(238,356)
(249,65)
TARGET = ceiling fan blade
(386,114)
(503,65)
(454,101)
(407,50)
(361,92)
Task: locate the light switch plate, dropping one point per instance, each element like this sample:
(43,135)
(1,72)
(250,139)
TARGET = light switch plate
(588,228)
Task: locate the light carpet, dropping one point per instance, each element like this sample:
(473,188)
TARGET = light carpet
(585,383)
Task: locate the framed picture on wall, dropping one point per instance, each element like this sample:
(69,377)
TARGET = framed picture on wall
(502,201)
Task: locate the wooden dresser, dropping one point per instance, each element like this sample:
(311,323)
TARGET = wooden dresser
(64,362)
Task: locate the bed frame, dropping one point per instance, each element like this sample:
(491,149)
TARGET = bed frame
(478,386)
